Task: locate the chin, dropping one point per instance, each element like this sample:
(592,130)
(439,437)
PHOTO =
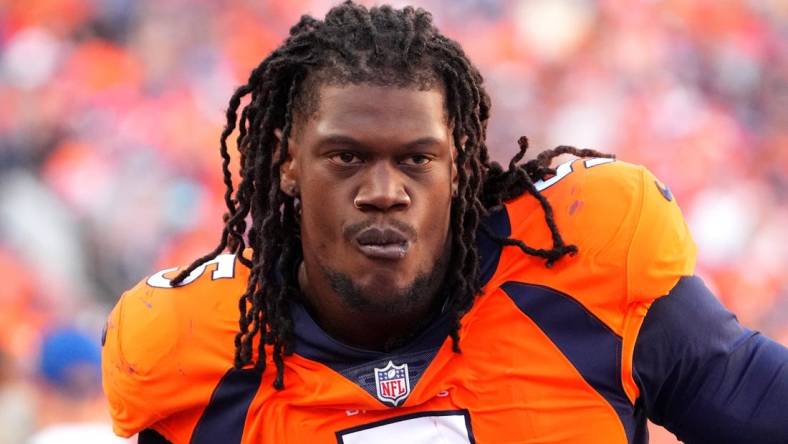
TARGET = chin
(382,293)
(382,277)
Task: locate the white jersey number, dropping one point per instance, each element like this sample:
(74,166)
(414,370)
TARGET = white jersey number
(225,269)
(451,427)
(565,168)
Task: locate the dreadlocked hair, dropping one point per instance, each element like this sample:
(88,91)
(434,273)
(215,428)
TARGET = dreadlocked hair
(352,45)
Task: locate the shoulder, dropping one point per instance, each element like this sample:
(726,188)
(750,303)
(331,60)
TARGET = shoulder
(626,224)
(600,193)
(160,340)
(631,216)
(151,319)
(633,247)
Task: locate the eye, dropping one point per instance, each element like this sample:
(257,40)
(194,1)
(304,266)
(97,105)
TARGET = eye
(417,160)
(346,158)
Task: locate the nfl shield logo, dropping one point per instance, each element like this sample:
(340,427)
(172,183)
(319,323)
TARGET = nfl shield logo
(392,383)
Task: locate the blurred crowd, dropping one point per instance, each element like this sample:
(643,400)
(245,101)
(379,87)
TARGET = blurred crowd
(110,114)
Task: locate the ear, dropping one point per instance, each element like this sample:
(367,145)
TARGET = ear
(288,172)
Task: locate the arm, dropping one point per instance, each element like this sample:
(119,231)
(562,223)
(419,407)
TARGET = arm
(705,377)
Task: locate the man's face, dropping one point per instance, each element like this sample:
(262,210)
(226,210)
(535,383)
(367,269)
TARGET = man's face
(374,169)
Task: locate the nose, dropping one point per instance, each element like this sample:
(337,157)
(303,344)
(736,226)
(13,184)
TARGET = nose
(382,189)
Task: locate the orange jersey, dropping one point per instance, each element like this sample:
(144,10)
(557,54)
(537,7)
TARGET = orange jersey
(547,353)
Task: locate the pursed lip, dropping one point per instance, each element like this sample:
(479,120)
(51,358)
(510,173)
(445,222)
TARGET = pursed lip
(382,243)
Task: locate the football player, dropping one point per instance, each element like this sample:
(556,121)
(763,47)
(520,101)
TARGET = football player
(379,279)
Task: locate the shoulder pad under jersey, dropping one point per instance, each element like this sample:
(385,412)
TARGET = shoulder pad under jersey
(164,348)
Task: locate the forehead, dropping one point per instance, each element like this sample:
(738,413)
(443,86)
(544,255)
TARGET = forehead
(377,111)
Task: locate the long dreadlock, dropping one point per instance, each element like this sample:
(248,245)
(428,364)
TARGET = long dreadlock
(385,47)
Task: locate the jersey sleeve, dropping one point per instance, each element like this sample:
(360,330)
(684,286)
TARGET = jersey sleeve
(684,359)
(136,370)
(661,251)
(705,377)
(695,369)
(166,349)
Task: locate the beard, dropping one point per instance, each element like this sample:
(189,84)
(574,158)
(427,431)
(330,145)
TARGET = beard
(389,301)
(384,301)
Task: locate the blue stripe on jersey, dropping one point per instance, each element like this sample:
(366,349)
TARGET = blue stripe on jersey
(705,377)
(224,418)
(592,348)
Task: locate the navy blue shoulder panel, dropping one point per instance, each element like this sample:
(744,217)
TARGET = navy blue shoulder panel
(592,348)
(225,416)
(705,377)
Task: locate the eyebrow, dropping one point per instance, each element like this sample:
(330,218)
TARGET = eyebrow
(347,140)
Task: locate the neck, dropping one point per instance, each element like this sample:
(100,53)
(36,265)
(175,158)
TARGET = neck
(373,330)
